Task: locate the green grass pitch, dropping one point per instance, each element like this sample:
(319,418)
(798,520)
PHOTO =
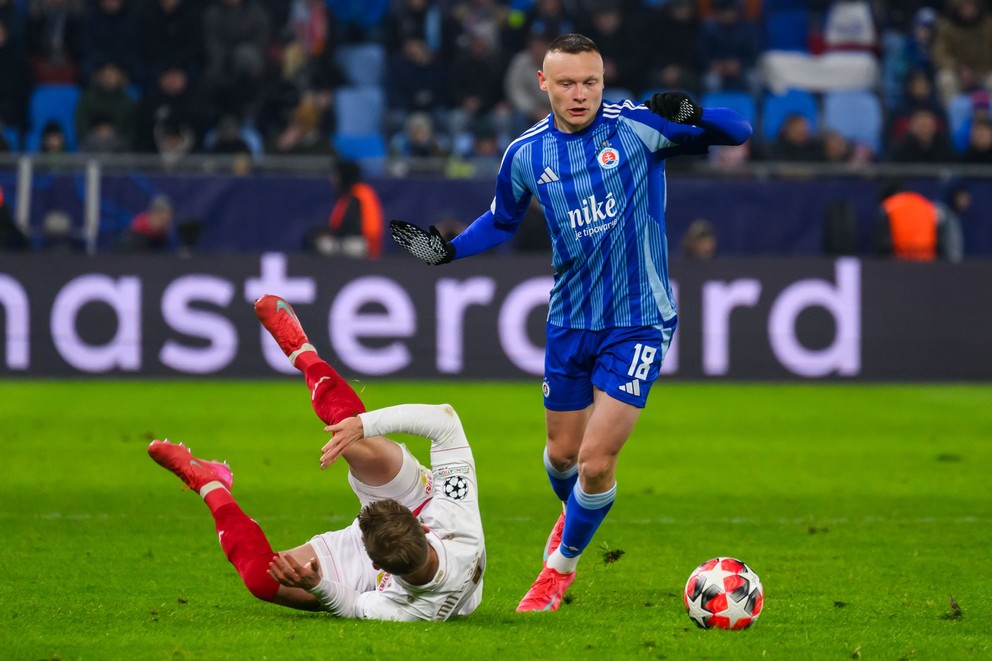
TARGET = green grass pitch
(865,509)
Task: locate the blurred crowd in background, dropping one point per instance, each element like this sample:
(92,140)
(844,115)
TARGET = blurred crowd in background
(823,80)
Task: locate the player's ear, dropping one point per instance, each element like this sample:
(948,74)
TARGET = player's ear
(542,81)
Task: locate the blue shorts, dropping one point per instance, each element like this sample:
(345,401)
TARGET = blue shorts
(622,362)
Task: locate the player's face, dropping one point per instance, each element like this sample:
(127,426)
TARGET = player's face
(574,83)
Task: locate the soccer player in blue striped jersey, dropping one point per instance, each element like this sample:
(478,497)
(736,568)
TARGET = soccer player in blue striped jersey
(598,170)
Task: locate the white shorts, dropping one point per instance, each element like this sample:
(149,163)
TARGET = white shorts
(341,553)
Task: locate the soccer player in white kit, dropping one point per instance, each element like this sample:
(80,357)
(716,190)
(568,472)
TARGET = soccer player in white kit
(416,551)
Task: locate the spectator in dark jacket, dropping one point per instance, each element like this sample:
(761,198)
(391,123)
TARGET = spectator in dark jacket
(110,32)
(423,20)
(55,39)
(173,101)
(476,85)
(416,79)
(170,36)
(796,142)
(621,49)
(918,94)
(236,36)
(729,46)
(106,98)
(672,62)
(979,149)
(924,141)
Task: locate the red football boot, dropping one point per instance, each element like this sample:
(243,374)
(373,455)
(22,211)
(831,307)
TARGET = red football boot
(279,319)
(547,592)
(192,471)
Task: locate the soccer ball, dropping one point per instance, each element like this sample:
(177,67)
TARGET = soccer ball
(723,593)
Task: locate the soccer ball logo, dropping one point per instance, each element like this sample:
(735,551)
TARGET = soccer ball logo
(455,487)
(724,593)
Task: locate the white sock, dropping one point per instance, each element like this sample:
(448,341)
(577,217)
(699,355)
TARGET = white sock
(562,564)
(305,347)
(210,486)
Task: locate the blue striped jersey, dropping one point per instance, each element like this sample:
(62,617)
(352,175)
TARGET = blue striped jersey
(603,192)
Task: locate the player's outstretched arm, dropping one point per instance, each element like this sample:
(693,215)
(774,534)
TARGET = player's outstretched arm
(439,423)
(720,126)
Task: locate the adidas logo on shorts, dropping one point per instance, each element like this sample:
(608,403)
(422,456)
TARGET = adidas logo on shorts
(632,388)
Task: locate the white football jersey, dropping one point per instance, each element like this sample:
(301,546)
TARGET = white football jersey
(452,515)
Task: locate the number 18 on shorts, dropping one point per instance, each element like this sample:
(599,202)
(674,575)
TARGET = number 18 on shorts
(622,362)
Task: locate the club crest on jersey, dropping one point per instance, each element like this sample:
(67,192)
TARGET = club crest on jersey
(608,158)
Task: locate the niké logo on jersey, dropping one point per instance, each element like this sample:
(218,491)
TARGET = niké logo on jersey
(593,211)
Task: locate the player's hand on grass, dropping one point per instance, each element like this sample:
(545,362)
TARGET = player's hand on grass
(345,433)
(428,246)
(287,571)
(675,107)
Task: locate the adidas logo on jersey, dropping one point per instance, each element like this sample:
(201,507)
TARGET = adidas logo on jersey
(547,177)
(632,388)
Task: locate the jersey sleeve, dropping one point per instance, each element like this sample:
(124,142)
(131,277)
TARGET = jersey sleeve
(718,126)
(337,598)
(439,423)
(347,602)
(505,213)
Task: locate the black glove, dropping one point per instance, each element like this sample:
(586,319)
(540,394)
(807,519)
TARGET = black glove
(428,246)
(675,107)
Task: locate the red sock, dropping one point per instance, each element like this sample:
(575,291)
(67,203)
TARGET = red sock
(332,398)
(244,544)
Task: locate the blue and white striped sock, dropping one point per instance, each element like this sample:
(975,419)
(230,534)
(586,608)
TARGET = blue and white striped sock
(583,515)
(561,481)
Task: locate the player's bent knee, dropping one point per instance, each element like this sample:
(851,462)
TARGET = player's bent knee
(257,580)
(562,462)
(598,472)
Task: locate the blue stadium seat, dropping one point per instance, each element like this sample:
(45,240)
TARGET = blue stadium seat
(856,115)
(776,107)
(359,110)
(369,150)
(959,121)
(787,28)
(742,102)
(356,147)
(362,64)
(52,102)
